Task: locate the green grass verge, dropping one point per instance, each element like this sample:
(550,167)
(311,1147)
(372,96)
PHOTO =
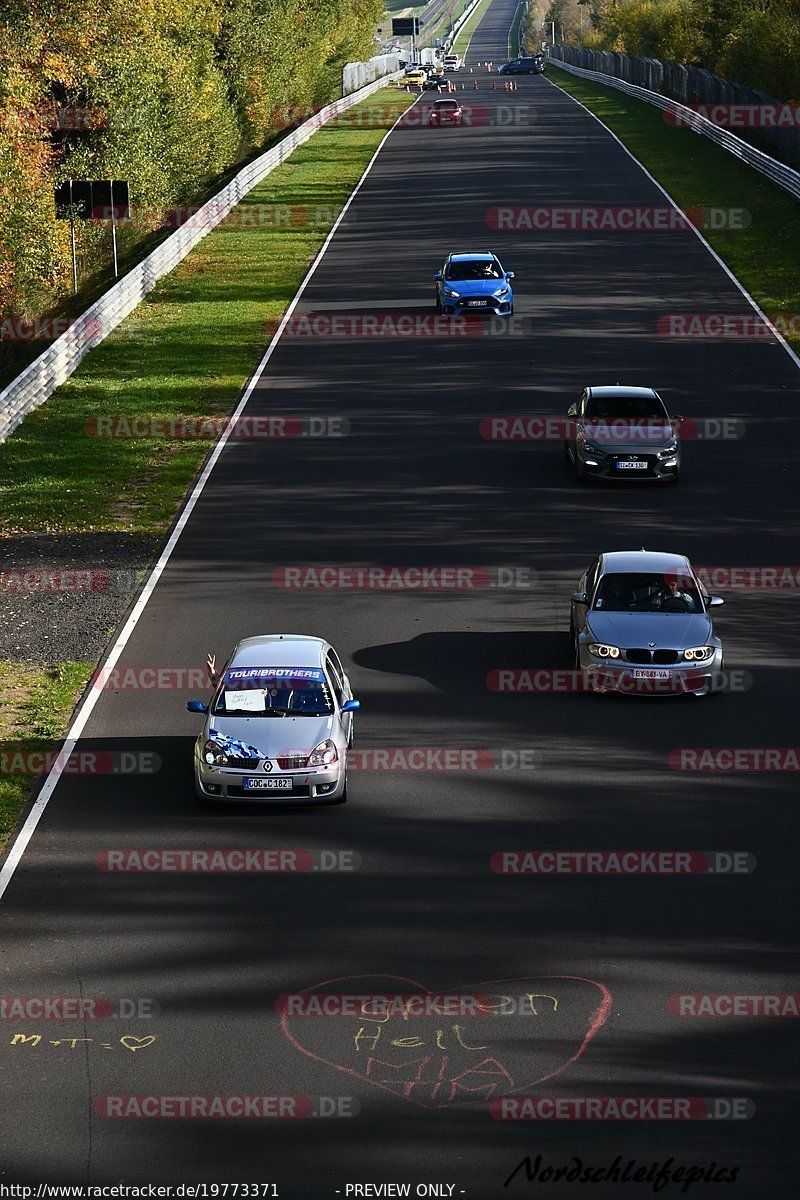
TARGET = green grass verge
(187,349)
(765,256)
(35,706)
(461,44)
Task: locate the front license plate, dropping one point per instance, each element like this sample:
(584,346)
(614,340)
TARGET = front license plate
(632,466)
(651,675)
(267,785)
(477,303)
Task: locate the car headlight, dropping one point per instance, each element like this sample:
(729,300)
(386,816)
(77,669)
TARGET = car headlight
(501,291)
(698,653)
(670,448)
(601,650)
(214,755)
(450,292)
(323,755)
(590,446)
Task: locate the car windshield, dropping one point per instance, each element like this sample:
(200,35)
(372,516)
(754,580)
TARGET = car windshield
(653,592)
(273,692)
(624,407)
(446,104)
(474,268)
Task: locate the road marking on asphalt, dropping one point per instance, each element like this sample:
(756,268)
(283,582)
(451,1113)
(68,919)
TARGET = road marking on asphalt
(754,304)
(39,805)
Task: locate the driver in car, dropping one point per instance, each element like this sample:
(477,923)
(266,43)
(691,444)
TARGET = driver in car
(672,595)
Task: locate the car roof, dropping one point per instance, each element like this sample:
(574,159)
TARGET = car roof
(443,102)
(469,255)
(624,561)
(619,389)
(279,650)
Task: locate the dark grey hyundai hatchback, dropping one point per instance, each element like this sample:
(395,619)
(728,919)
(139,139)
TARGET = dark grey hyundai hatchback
(623,433)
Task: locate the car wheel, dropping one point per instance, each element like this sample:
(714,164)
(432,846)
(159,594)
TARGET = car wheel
(576,656)
(580,470)
(566,452)
(437,303)
(675,477)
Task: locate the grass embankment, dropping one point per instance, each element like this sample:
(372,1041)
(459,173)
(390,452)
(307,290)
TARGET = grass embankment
(35,706)
(764,256)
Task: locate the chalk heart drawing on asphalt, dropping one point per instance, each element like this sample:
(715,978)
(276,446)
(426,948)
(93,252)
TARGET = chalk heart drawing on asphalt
(506,1035)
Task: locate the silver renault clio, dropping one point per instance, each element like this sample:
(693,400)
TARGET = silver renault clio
(279,725)
(640,622)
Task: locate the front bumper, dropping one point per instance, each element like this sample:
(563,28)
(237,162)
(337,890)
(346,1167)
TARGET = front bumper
(601,465)
(308,786)
(494,305)
(624,678)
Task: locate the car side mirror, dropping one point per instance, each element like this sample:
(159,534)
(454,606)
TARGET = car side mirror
(572,411)
(715,602)
(437,277)
(509,274)
(679,420)
(197,706)
(351,705)
(580,598)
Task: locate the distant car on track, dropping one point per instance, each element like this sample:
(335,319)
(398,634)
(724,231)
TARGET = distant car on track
(446,112)
(278,726)
(640,621)
(522,66)
(623,433)
(414,78)
(474,281)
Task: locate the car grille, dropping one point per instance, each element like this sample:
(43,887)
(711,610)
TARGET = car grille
(293,764)
(244,764)
(662,657)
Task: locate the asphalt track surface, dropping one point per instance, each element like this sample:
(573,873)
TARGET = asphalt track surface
(414,483)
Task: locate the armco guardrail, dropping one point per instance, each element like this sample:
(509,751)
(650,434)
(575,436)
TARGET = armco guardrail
(778,172)
(40,378)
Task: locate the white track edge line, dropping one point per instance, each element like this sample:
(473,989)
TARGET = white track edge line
(754,303)
(20,843)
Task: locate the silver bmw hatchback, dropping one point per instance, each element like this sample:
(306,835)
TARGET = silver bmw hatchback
(279,725)
(640,622)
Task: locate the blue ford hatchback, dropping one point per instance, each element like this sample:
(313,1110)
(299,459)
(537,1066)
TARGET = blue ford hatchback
(474,282)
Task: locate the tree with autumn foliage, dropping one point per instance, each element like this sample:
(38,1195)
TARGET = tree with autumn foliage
(167,94)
